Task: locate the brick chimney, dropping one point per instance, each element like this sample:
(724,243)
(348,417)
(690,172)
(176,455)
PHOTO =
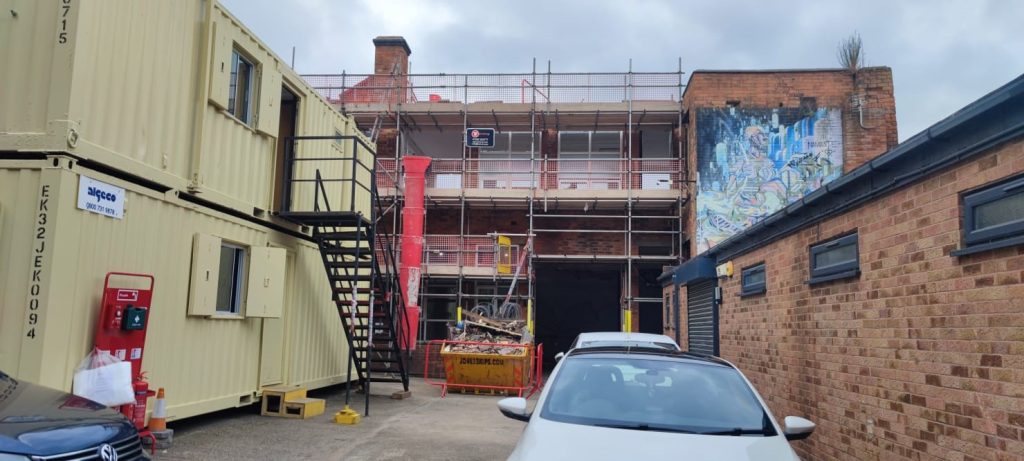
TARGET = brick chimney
(391,49)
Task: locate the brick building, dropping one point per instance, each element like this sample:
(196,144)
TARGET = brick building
(886,306)
(602,170)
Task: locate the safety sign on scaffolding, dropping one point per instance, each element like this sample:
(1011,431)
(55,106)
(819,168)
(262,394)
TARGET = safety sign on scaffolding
(504,259)
(480,137)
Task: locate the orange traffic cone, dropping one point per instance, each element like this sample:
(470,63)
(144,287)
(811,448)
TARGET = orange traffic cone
(158,421)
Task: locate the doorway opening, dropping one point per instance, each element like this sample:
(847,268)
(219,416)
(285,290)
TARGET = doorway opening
(572,299)
(287,128)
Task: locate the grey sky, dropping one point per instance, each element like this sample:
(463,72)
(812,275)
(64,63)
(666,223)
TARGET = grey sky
(944,54)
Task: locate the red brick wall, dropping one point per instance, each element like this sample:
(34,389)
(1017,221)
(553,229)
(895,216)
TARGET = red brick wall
(921,357)
(879,116)
(387,143)
(386,56)
(669,311)
(445,221)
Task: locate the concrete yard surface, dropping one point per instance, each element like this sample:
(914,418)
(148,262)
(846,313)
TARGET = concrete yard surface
(422,427)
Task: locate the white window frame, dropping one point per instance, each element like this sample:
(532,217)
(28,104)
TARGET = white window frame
(508,153)
(247,117)
(239,276)
(590,145)
(517,175)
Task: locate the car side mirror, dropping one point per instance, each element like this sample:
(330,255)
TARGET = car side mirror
(559,356)
(515,408)
(797,428)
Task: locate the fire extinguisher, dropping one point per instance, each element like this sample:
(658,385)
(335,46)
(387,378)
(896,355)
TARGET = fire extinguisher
(136,412)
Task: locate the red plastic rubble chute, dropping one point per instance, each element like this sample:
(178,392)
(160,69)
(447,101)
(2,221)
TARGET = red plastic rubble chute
(412,244)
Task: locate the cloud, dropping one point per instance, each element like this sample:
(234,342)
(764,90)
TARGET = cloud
(944,53)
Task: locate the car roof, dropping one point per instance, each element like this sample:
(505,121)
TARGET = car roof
(652,352)
(623,336)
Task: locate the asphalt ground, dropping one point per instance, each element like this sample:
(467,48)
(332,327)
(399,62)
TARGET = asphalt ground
(422,427)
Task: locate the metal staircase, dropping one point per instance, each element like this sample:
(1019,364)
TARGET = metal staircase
(360,267)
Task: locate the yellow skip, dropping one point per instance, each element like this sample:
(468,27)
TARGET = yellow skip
(346,416)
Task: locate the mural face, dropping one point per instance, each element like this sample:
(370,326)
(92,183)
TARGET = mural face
(753,162)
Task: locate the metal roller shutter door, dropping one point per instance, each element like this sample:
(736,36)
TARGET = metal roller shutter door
(701,318)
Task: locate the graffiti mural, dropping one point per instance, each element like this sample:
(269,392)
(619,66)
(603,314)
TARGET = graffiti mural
(753,162)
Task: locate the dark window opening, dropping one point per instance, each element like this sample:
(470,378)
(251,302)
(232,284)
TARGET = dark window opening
(753,280)
(287,126)
(994,217)
(232,276)
(835,259)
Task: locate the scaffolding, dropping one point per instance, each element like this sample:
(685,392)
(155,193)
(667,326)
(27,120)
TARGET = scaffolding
(640,199)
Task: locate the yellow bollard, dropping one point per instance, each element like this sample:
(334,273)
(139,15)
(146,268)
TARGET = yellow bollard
(458,315)
(347,416)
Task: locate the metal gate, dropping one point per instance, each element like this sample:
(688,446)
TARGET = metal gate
(702,317)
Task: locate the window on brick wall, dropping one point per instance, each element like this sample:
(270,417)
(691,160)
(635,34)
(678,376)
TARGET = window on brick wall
(994,216)
(835,259)
(753,280)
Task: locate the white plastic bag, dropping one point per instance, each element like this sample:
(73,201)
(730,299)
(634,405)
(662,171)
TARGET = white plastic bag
(104,378)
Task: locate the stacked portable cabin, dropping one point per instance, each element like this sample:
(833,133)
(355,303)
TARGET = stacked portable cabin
(180,108)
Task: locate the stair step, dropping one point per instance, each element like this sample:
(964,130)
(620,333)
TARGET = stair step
(376,314)
(382,329)
(382,360)
(350,278)
(364,253)
(361,303)
(386,380)
(348,264)
(363,235)
(392,369)
(327,218)
(375,339)
(346,308)
(374,349)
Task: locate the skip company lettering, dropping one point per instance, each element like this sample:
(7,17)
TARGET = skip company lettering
(480,361)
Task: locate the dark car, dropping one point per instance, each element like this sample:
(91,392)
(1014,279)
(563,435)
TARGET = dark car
(39,423)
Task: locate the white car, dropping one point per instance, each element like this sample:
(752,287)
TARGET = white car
(616,403)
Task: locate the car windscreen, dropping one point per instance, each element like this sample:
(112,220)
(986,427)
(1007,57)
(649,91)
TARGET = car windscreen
(644,393)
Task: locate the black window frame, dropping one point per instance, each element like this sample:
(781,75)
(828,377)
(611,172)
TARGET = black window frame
(1002,235)
(753,288)
(846,269)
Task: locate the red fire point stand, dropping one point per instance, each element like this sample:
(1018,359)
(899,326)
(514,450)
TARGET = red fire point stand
(121,330)
(412,244)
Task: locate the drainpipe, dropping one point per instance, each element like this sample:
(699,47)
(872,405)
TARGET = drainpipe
(412,244)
